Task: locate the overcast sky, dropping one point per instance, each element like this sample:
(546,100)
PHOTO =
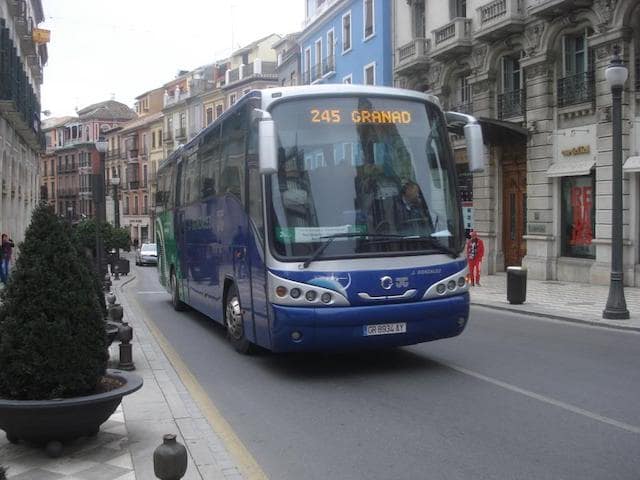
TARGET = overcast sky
(123,48)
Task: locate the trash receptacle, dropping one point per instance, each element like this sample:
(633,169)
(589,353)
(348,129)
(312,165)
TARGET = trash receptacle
(516,285)
(123,266)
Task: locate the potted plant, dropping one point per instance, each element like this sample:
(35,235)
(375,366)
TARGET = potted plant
(54,385)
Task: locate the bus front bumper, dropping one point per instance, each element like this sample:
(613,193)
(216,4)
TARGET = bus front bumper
(345,328)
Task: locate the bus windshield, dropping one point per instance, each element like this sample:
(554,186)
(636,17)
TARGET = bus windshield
(373,173)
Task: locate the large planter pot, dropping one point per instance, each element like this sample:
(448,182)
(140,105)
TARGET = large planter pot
(51,422)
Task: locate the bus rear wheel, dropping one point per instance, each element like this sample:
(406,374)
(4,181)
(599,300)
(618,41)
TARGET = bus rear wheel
(233,320)
(178,305)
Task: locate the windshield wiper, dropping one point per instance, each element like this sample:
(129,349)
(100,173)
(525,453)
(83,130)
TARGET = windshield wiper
(434,243)
(328,240)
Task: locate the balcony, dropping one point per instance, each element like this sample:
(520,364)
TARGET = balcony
(113,154)
(454,39)
(320,71)
(511,104)
(413,56)
(499,19)
(555,8)
(168,136)
(637,70)
(134,185)
(256,70)
(67,192)
(19,103)
(576,89)
(181,134)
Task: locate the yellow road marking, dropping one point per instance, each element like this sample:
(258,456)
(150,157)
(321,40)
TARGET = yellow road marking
(245,461)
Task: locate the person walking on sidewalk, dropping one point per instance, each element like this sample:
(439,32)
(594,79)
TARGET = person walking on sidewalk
(475,252)
(7,249)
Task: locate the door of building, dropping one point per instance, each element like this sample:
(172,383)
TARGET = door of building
(514,203)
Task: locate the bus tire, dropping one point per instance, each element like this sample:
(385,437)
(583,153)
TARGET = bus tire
(178,305)
(234,323)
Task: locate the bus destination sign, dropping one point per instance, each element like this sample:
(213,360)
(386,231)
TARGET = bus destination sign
(371,117)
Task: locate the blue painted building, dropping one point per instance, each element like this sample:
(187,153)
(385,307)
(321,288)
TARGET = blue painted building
(347,41)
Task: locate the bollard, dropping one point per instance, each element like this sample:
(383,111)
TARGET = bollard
(126,355)
(111,299)
(107,283)
(116,313)
(170,459)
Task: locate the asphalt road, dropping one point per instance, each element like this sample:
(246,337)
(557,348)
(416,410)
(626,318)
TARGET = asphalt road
(514,397)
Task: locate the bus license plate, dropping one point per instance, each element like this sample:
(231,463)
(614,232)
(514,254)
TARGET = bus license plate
(385,329)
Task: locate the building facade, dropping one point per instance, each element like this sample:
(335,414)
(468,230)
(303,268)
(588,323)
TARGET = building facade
(288,60)
(21,75)
(533,72)
(347,41)
(72,147)
(250,68)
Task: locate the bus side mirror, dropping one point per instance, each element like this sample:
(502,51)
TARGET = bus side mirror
(268,144)
(475,147)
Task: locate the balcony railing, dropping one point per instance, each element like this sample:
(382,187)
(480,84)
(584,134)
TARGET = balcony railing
(499,18)
(637,70)
(181,133)
(113,154)
(511,104)
(67,192)
(555,8)
(134,185)
(168,136)
(18,101)
(255,69)
(452,39)
(576,89)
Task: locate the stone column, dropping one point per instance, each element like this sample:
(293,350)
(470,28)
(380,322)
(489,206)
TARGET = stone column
(600,271)
(486,201)
(541,256)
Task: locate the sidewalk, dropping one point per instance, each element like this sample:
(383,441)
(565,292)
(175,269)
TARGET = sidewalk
(123,450)
(577,302)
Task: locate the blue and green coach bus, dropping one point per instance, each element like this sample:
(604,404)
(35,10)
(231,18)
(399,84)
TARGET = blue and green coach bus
(320,218)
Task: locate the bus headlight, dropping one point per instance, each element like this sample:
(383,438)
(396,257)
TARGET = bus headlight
(281,291)
(286,292)
(462,282)
(441,288)
(326,297)
(311,295)
(451,285)
(295,293)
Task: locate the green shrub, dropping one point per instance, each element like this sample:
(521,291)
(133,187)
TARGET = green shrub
(52,337)
(3,473)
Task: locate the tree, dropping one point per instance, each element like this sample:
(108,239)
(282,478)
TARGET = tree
(85,235)
(52,336)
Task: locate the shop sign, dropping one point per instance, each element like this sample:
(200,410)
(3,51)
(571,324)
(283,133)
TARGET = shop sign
(580,150)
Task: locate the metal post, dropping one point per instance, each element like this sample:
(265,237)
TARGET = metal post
(98,197)
(616,308)
(116,209)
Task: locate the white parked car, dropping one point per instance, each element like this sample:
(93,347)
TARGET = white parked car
(147,254)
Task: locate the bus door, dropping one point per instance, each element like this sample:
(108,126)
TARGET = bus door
(194,229)
(179,227)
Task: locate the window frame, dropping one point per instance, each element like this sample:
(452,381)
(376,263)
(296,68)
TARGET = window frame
(348,77)
(350,47)
(366,37)
(364,71)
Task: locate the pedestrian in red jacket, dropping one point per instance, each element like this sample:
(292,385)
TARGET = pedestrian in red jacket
(475,252)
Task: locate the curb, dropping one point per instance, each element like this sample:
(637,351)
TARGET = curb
(557,317)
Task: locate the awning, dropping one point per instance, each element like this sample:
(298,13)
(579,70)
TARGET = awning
(632,165)
(571,168)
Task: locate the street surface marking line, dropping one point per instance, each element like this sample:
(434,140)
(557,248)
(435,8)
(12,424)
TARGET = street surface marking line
(549,400)
(151,292)
(247,465)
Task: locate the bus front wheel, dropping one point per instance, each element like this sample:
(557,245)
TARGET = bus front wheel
(234,322)
(178,305)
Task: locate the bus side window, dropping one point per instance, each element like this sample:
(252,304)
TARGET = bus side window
(210,160)
(233,156)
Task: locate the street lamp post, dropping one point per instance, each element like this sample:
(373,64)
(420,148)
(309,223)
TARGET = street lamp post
(115,181)
(99,201)
(616,75)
